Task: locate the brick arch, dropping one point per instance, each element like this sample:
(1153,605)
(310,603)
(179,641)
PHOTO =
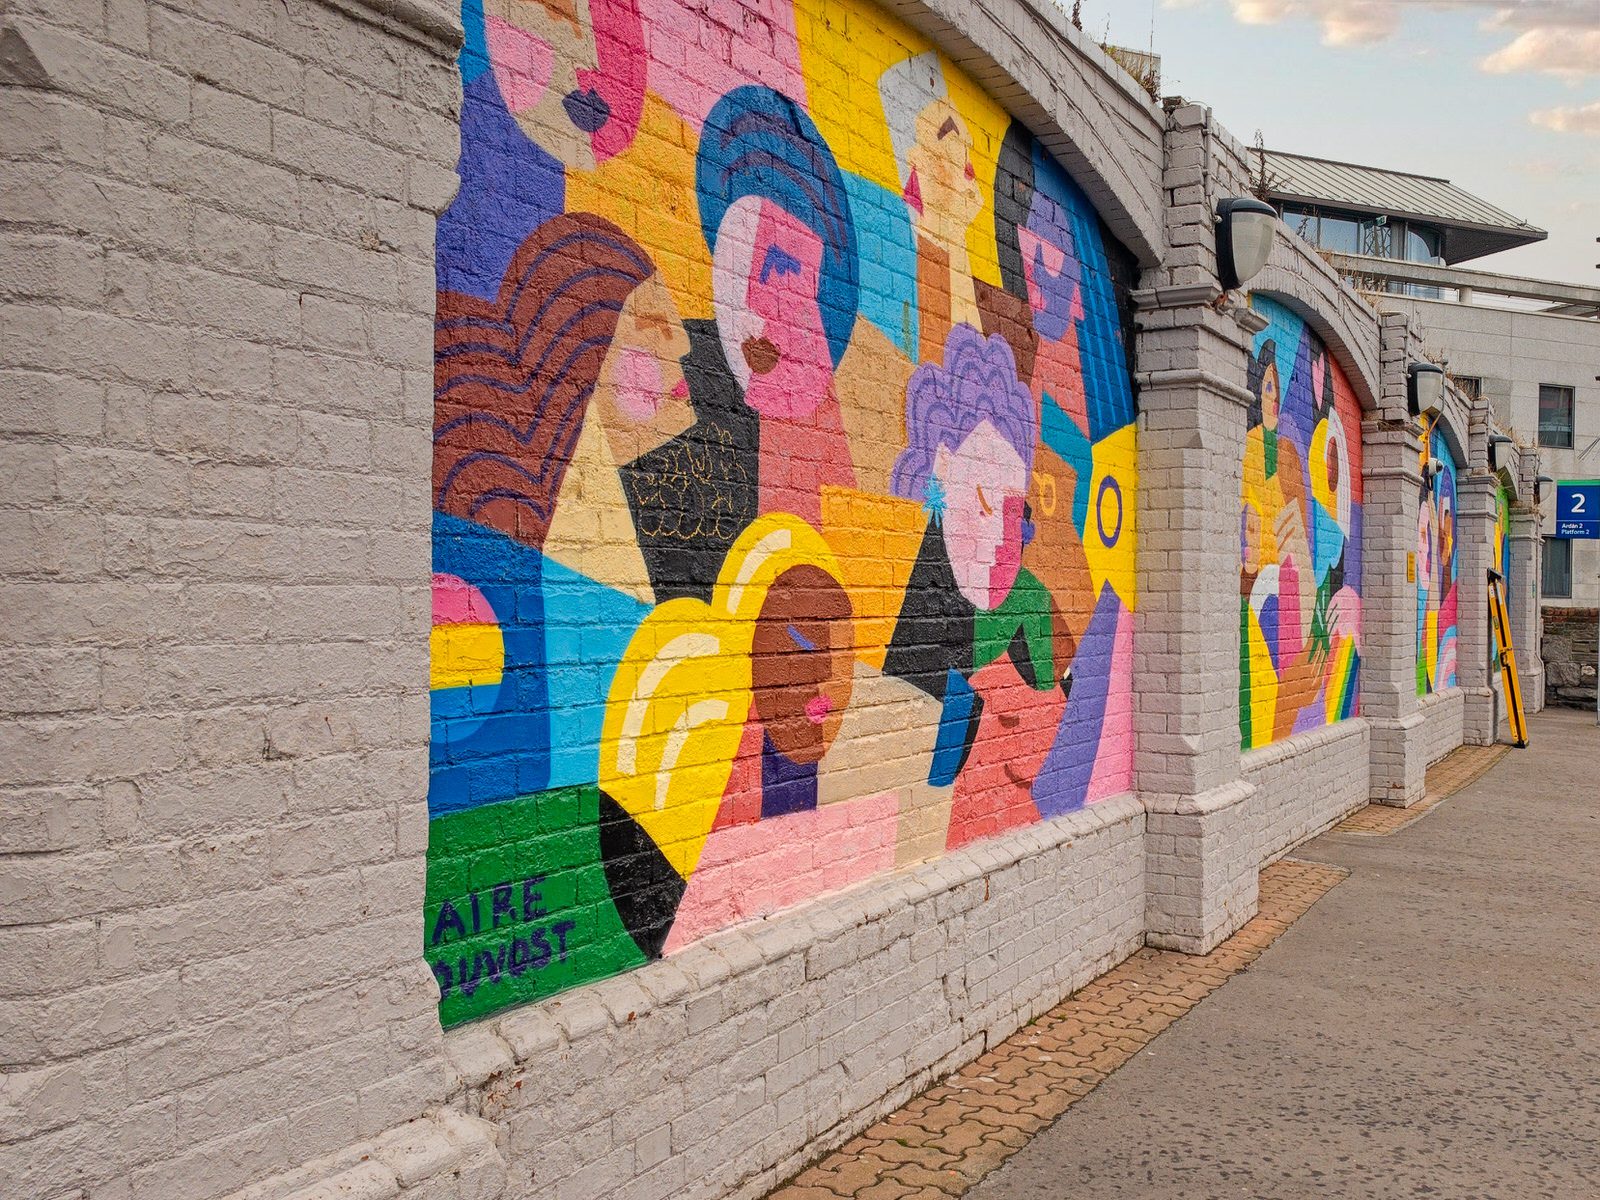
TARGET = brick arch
(1084,109)
(1297,277)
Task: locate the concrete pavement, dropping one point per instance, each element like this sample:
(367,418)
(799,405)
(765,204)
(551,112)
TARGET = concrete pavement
(1430,1028)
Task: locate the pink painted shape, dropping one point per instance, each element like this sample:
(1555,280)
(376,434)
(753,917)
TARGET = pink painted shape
(695,59)
(748,871)
(521,62)
(1113,764)
(457,602)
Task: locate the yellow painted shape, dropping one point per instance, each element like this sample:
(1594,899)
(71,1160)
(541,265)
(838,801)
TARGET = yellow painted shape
(1115,460)
(845,47)
(1263,686)
(648,192)
(765,550)
(463,655)
(876,539)
(674,718)
(1318,461)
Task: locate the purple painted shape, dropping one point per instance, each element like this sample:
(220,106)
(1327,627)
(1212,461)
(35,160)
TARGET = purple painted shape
(786,786)
(1269,627)
(1063,782)
(509,187)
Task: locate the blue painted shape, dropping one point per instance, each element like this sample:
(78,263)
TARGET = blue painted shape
(492,743)
(786,786)
(1327,540)
(1107,385)
(1061,433)
(888,250)
(1063,782)
(955,720)
(1268,617)
(587,627)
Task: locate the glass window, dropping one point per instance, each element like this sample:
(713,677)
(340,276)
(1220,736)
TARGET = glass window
(1557,580)
(1422,245)
(1302,221)
(1339,234)
(1376,239)
(1555,416)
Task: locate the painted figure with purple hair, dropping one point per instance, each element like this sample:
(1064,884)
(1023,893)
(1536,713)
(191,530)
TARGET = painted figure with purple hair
(971,430)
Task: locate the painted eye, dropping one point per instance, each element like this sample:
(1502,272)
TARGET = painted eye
(800,639)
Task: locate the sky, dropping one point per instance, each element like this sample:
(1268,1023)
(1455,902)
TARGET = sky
(1502,99)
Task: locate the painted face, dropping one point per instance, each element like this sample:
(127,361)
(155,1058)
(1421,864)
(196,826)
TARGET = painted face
(544,59)
(941,187)
(801,662)
(642,396)
(985,488)
(1050,265)
(765,277)
(1269,398)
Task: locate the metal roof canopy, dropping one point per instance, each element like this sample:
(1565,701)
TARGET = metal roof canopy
(1471,227)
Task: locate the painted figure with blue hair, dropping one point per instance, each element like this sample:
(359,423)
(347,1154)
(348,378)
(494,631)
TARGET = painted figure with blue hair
(784,284)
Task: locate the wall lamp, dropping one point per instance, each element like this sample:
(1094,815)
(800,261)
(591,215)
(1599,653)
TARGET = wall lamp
(1424,389)
(1496,440)
(1539,486)
(1244,239)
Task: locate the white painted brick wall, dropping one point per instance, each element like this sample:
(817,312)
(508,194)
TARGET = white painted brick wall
(722,1069)
(216,239)
(215,404)
(1306,783)
(1443,729)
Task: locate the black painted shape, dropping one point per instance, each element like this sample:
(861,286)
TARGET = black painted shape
(644,887)
(1021,659)
(934,632)
(695,494)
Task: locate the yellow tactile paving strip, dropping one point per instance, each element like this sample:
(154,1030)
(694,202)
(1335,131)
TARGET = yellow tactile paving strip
(1445,778)
(950,1137)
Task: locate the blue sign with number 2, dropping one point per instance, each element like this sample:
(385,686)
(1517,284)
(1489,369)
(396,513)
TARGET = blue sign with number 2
(1578,508)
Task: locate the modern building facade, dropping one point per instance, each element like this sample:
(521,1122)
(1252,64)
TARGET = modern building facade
(597,594)
(1531,347)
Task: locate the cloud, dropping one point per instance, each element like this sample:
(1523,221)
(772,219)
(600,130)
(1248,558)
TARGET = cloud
(1583,118)
(1365,22)
(1565,51)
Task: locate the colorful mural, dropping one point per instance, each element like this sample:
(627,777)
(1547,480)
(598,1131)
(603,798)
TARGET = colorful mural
(1500,559)
(1299,537)
(1436,567)
(784,481)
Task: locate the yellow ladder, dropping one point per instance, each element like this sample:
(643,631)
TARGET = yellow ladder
(1508,658)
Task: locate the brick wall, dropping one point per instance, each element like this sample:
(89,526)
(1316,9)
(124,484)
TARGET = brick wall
(215,388)
(1442,729)
(783,528)
(222,494)
(1306,783)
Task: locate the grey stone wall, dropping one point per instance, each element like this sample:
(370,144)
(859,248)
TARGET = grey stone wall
(1569,652)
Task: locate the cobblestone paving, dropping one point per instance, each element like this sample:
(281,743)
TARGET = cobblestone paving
(950,1137)
(1446,777)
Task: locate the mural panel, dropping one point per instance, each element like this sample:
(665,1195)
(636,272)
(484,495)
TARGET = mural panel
(1436,568)
(784,481)
(1299,537)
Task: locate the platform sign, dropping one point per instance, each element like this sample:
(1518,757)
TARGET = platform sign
(1578,508)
